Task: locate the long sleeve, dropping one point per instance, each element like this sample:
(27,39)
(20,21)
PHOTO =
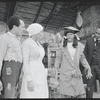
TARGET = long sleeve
(83,59)
(26,70)
(58,58)
(85,49)
(84,62)
(3,48)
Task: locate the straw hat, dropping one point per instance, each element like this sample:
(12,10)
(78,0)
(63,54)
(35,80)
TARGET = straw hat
(75,30)
(71,28)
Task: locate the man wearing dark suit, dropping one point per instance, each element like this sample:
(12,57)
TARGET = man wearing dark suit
(11,57)
(92,53)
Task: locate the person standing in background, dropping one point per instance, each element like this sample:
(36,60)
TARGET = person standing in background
(2,31)
(92,53)
(3,27)
(68,58)
(11,56)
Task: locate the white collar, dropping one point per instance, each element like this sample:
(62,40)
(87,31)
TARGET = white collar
(12,34)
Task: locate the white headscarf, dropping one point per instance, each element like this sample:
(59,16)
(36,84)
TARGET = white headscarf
(34,28)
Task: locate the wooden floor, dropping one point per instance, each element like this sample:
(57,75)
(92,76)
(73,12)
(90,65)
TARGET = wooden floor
(96,95)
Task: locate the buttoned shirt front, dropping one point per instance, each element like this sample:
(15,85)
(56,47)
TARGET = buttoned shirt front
(10,48)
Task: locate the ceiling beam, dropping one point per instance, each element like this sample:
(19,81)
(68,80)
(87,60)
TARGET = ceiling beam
(84,8)
(10,11)
(67,11)
(6,11)
(86,5)
(51,14)
(38,12)
(74,4)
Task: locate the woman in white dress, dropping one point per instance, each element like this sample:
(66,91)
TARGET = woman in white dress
(34,81)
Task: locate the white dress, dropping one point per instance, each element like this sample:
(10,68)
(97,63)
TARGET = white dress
(34,70)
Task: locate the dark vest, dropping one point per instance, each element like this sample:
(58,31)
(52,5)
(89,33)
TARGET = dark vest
(94,60)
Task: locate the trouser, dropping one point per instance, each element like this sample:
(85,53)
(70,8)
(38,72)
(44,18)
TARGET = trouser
(90,82)
(11,78)
(67,96)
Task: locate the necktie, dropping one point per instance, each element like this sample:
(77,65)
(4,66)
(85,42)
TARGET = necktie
(96,42)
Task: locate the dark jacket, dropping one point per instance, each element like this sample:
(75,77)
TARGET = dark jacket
(88,50)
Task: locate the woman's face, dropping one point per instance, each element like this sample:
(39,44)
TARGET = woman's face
(41,35)
(70,37)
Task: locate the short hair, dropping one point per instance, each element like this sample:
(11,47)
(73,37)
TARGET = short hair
(13,20)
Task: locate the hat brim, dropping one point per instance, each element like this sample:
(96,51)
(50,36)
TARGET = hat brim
(70,28)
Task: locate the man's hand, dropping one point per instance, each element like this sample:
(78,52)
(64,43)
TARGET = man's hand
(1,87)
(89,74)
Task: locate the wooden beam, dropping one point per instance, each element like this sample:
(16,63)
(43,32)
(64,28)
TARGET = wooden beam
(86,5)
(67,11)
(83,9)
(6,12)
(74,4)
(51,14)
(38,12)
(11,11)
(10,6)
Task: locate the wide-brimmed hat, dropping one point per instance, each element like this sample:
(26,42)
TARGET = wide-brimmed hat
(34,28)
(70,28)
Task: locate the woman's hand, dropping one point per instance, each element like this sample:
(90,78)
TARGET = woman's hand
(89,74)
(30,86)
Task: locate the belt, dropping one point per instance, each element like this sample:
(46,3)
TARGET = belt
(12,61)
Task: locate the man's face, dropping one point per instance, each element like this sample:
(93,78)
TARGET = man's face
(97,34)
(21,28)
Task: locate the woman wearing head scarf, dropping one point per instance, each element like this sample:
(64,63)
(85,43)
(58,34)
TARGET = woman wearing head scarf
(69,56)
(34,81)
